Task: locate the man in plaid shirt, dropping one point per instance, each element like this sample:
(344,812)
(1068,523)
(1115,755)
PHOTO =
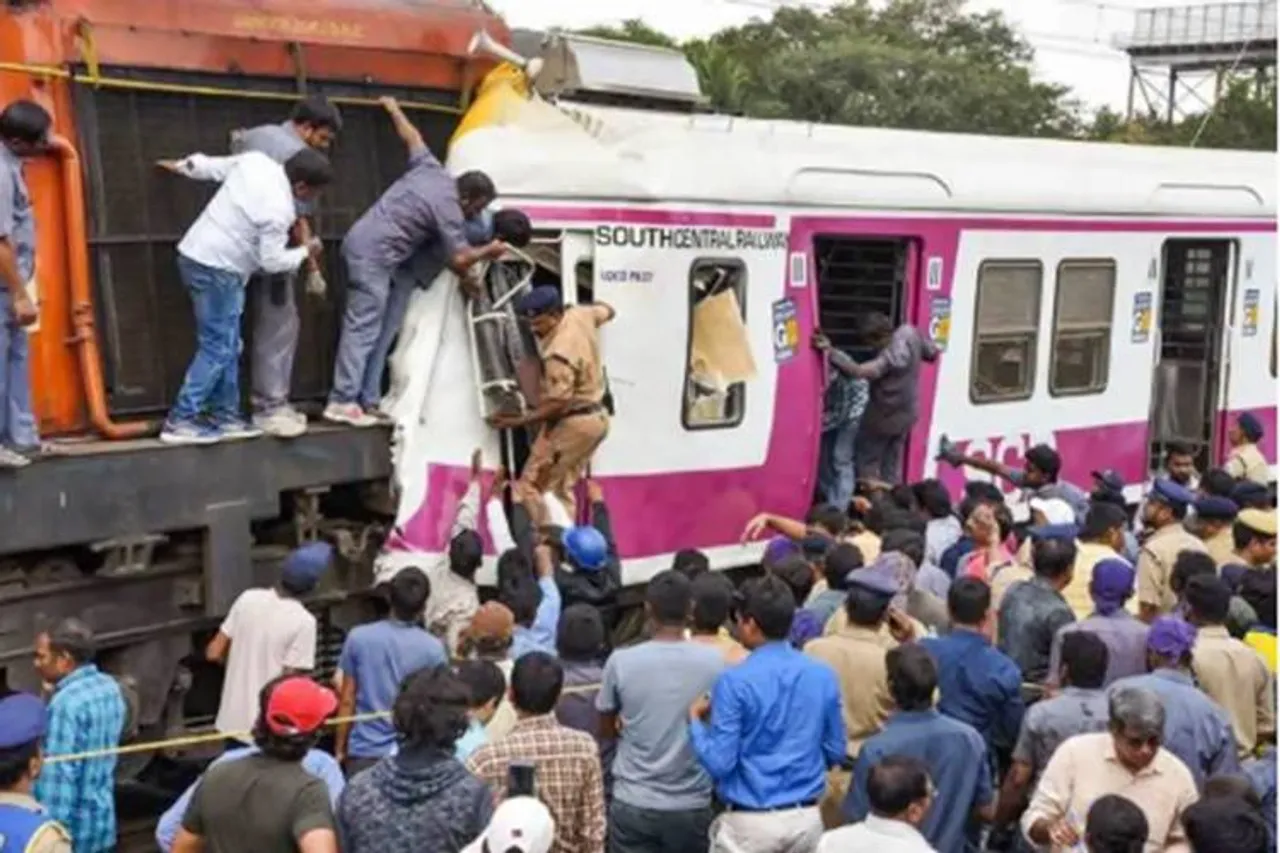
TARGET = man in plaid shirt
(569,780)
(86,713)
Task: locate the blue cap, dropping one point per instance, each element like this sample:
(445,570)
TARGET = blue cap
(881,576)
(23,719)
(1216,508)
(586,548)
(1247,493)
(1250,426)
(1168,492)
(1054,531)
(1109,479)
(816,545)
(304,566)
(540,300)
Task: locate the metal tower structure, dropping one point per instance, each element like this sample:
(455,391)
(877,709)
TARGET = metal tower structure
(1182,58)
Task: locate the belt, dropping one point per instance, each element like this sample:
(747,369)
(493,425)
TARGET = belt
(786,807)
(593,409)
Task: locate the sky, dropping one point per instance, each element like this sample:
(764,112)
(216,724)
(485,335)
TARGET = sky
(1074,39)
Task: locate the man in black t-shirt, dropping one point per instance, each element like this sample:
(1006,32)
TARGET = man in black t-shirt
(266,802)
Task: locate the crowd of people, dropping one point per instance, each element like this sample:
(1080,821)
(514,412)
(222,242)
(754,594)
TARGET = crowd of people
(899,674)
(907,676)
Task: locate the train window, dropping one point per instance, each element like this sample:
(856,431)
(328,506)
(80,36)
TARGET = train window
(719,352)
(1080,360)
(1007,314)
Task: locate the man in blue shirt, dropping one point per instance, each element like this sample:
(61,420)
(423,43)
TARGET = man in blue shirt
(769,732)
(1196,729)
(86,714)
(375,660)
(24,126)
(980,685)
(25,825)
(954,752)
(536,608)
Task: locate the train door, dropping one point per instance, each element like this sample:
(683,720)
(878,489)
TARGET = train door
(859,275)
(562,259)
(1197,278)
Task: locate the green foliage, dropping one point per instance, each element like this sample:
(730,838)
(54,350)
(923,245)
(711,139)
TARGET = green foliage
(927,65)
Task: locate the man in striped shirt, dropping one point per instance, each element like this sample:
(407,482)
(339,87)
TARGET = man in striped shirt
(86,715)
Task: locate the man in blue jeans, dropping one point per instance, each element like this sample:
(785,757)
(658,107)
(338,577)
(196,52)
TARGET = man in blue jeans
(244,228)
(24,127)
(425,208)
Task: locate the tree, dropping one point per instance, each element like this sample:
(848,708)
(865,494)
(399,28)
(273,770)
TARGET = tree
(925,65)
(1244,117)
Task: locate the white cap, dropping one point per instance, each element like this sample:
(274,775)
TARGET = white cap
(521,824)
(1054,510)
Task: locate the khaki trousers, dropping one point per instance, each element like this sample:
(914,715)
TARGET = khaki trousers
(557,461)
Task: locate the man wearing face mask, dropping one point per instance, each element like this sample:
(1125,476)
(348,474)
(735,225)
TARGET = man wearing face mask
(571,408)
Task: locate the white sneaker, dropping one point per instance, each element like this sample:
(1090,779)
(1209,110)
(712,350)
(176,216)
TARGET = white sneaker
(282,423)
(348,413)
(12,458)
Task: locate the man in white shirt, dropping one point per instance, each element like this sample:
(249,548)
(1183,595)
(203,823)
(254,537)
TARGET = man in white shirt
(900,794)
(243,229)
(267,633)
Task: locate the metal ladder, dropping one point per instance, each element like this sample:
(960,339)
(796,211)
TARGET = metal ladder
(487,318)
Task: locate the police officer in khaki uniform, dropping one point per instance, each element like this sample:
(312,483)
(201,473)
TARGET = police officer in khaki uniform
(1245,461)
(1163,514)
(1214,517)
(571,410)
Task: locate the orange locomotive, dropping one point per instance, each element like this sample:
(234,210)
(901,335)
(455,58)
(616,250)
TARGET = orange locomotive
(151,544)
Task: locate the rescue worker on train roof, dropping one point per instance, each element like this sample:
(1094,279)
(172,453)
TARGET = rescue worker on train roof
(571,410)
(314,123)
(244,228)
(24,129)
(415,228)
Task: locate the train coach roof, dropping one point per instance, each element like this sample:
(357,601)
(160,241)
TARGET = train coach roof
(586,152)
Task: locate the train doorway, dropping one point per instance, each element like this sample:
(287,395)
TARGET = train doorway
(1187,380)
(858,276)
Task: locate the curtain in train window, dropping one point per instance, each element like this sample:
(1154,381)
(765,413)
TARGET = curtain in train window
(1080,360)
(719,361)
(1007,318)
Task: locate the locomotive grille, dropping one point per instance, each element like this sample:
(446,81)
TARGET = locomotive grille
(138,214)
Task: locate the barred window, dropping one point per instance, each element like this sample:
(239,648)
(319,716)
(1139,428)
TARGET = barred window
(1007,317)
(1084,309)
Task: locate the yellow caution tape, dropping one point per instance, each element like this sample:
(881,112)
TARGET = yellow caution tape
(217,737)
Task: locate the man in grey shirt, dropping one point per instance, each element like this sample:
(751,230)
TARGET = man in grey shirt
(24,127)
(661,794)
(894,375)
(315,123)
(1080,708)
(424,206)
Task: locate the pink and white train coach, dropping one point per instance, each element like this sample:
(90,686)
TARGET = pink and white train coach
(1106,299)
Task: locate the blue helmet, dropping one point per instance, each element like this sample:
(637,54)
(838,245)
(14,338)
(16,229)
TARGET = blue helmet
(586,548)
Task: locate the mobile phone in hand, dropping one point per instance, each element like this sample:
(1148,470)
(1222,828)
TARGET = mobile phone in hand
(522,779)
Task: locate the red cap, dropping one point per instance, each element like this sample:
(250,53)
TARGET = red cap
(299,706)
